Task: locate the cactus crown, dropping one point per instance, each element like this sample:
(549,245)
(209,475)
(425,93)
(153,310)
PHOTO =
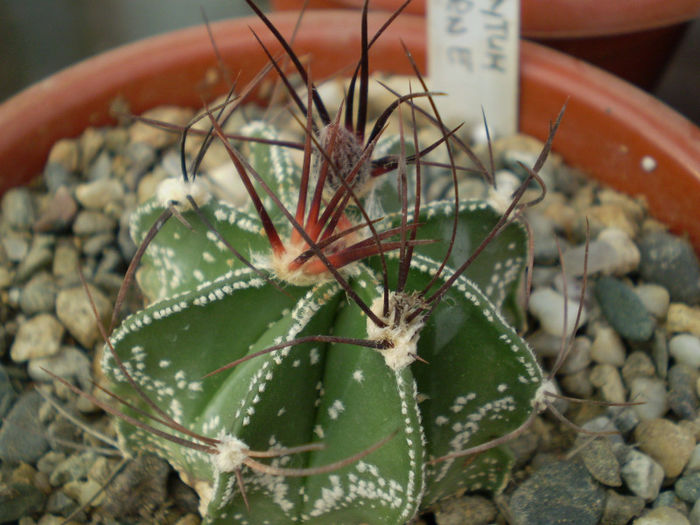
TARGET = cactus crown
(357,358)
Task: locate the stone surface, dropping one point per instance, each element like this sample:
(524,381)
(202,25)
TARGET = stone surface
(623,309)
(40,336)
(667,443)
(642,475)
(39,256)
(96,195)
(58,212)
(21,435)
(685,348)
(671,262)
(7,393)
(17,208)
(561,492)
(608,380)
(39,294)
(547,306)
(600,460)
(74,310)
(687,487)
(619,509)
(607,347)
(662,516)
(682,399)
(637,364)
(655,299)
(70,363)
(474,510)
(683,318)
(652,392)
(18,500)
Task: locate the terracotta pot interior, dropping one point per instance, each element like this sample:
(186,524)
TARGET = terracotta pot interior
(608,130)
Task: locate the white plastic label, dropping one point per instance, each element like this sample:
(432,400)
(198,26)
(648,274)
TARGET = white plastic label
(473,57)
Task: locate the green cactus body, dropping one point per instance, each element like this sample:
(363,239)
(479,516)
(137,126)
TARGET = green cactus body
(208,309)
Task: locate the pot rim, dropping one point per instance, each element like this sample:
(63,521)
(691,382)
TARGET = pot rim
(608,130)
(570,18)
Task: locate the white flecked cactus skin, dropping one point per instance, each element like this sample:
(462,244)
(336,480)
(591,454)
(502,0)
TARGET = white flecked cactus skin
(442,369)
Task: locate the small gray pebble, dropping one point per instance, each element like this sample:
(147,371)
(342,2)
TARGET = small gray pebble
(39,336)
(17,208)
(96,244)
(60,503)
(48,461)
(15,245)
(39,294)
(73,468)
(69,363)
(142,156)
(623,309)
(668,498)
(90,222)
(19,500)
(662,516)
(56,175)
(659,353)
(682,399)
(687,487)
(66,259)
(58,212)
(101,167)
(7,393)
(625,418)
(642,475)
(39,256)
(579,356)
(600,460)
(619,509)
(694,515)
(693,464)
(96,195)
(561,492)
(22,435)
(671,262)
(475,510)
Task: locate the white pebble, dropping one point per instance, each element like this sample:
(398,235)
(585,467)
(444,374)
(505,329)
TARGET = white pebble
(548,307)
(627,254)
(655,299)
(652,393)
(642,475)
(685,348)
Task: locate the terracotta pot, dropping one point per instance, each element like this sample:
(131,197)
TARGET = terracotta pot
(631,38)
(609,129)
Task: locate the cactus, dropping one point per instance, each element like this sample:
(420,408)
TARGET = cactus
(358,359)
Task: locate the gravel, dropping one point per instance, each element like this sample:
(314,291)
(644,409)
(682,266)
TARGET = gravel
(638,340)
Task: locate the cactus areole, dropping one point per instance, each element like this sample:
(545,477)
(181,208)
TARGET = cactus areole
(357,357)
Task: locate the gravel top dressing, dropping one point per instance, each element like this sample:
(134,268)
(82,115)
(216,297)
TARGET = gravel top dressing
(638,337)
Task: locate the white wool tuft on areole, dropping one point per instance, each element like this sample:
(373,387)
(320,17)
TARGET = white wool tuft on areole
(176,190)
(231,452)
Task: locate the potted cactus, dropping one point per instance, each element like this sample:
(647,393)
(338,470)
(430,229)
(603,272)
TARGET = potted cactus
(351,449)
